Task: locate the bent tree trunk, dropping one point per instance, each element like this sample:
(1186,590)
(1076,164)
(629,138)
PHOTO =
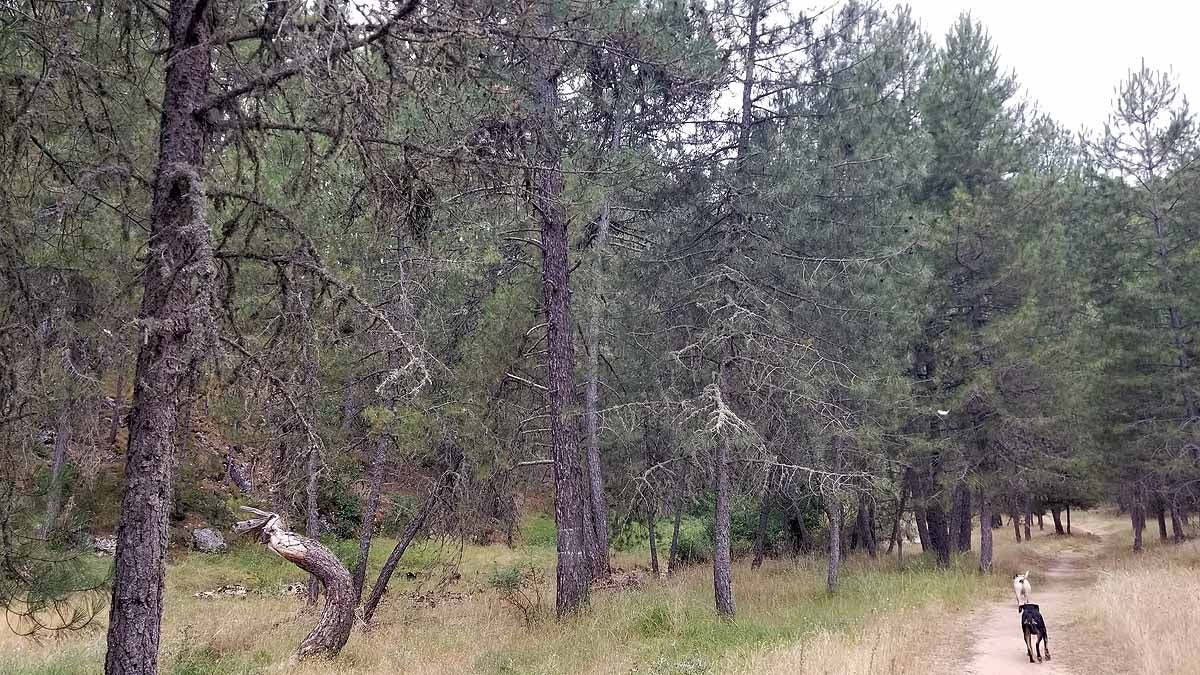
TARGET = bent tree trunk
(175,324)
(1056,516)
(337,616)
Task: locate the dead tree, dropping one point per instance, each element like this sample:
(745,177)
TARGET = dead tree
(337,617)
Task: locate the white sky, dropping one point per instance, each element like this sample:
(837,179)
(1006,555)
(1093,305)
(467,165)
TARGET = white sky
(1070,54)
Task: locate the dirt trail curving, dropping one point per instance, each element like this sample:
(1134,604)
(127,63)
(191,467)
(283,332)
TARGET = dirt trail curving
(998,647)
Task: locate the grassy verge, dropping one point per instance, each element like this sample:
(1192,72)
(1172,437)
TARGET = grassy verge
(786,622)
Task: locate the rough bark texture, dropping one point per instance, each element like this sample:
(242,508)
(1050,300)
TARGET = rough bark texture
(722,563)
(366,528)
(175,325)
(572,580)
(833,509)
(337,617)
(312,518)
(985,532)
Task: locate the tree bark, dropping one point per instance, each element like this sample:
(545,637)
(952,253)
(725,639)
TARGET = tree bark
(1161,515)
(1041,524)
(410,532)
(833,510)
(1176,524)
(58,462)
(176,332)
(572,582)
(985,531)
(1016,523)
(760,532)
(1068,519)
(961,522)
(337,617)
(1028,517)
(366,527)
(722,564)
(1056,515)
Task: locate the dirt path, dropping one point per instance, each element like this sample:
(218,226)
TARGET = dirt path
(998,647)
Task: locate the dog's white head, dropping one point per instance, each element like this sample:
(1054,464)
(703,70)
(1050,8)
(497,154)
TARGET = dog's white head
(1020,579)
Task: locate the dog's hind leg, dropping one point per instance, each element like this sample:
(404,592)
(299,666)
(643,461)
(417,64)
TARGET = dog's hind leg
(1038,646)
(1046,639)
(1028,644)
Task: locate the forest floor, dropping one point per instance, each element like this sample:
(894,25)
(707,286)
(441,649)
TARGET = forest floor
(1099,602)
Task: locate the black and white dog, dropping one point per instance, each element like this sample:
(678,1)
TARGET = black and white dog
(1032,625)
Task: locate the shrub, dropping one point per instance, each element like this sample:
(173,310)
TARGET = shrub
(520,586)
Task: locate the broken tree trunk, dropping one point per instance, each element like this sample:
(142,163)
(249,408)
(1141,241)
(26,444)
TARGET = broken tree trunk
(337,617)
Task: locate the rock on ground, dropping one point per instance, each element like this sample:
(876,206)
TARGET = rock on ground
(207,540)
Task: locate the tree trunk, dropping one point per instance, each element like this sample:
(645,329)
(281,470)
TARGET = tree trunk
(58,462)
(956,516)
(572,582)
(722,569)
(1068,519)
(896,534)
(366,527)
(446,484)
(176,335)
(598,505)
(1028,517)
(652,523)
(985,532)
(833,509)
(312,517)
(337,617)
(1016,523)
(1137,514)
(1161,515)
(1056,515)
(1041,524)
(938,532)
(865,525)
(760,532)
(673,554)
(962,523)
(1176,524)
(114,420)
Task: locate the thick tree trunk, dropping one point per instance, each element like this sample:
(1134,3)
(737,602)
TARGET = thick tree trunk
(722,563)
(1176,524)
(833,509)
(572,581)
(938,532)
(58,462)
(366,527)
(1161,515)
(1041,524)
(1056,515)
(1016,523)
(760,532)
(865,526)
(1068,519)
(985,532)
(961,522)
(337,617)
(410,532)
(176,334)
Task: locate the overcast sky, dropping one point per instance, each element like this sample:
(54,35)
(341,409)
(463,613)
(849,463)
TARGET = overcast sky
(1070,54)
